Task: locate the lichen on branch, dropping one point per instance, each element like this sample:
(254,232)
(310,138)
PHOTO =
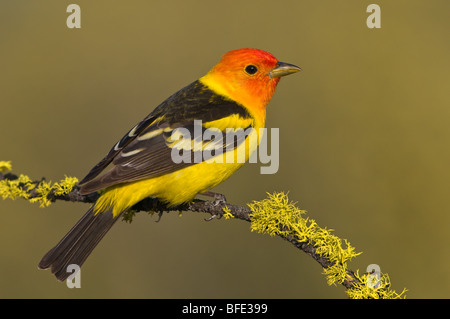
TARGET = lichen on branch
(275,215)
(22,186)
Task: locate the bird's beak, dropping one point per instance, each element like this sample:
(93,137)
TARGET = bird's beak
(283,69)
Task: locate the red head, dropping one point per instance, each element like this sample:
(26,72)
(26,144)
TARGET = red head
(249,77)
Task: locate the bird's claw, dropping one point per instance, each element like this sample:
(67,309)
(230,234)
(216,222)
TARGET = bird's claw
(160,213)
(219,200)
(212,217)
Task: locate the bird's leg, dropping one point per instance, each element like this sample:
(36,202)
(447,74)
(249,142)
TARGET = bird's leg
(219,200)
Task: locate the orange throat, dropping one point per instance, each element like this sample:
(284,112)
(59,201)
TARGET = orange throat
(253,94)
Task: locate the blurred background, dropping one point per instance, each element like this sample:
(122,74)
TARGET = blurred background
(364,141)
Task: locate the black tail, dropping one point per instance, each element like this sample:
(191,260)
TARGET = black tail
(79,242)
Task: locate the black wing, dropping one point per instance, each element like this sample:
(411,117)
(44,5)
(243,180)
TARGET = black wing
(145,151)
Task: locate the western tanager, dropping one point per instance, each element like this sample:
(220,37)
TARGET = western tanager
(232,95)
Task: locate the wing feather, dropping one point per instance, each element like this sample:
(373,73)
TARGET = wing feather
(146,150)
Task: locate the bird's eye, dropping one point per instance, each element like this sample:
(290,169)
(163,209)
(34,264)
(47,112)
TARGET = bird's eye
(251,69)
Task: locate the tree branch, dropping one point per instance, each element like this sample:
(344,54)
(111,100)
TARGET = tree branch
(150,204)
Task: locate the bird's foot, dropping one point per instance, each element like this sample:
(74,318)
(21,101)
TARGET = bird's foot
(219,200)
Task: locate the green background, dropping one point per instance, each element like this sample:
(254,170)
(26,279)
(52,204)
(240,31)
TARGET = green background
(364,141)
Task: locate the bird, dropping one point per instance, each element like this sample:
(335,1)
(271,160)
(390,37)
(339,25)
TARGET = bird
(233,95)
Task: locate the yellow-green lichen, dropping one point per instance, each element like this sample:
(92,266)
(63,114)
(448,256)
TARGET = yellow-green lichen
(65,186)
(227,213)
(5,166)
(17,188)
(34,192)
(42,190)
(276,215)
(383,290)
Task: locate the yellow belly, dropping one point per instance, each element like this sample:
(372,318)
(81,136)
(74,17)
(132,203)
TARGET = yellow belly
(180,186)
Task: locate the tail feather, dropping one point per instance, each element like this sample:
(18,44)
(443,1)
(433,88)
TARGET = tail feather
(77,245)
